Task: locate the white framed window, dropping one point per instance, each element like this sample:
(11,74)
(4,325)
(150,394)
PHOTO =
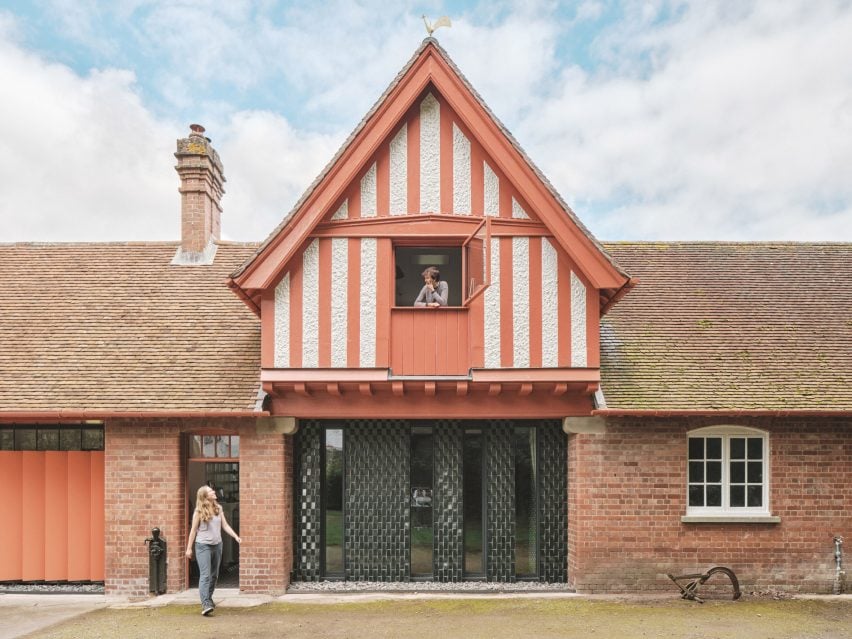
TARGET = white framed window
(727,473)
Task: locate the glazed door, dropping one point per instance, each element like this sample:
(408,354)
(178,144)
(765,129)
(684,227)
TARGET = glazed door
(214,462)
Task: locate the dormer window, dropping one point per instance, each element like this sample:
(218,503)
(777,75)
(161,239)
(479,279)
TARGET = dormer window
(411,261)
(465,268)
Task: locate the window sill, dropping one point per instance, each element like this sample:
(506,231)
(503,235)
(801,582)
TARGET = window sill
(429,308)
(730,519)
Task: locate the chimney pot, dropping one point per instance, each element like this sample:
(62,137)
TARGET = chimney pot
(196,128)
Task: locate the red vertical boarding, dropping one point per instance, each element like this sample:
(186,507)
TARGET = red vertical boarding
(11,530)
(475,329)
(324,306)
(79,515)
(267,333)
(413,159)
(507,334)
(396,344)
(354,206)
(563,284)
(450,346)
(32,516)
(422,340)
(464,363)
(296,312)
(535,302)
(353,308)
(407,335)
(55,516)
(440,363)
(436,361)
(384,295)
(96,538)
(477,179)
(593,334)
(383,181)
(445,154)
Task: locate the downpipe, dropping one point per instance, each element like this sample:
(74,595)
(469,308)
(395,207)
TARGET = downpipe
(839,573)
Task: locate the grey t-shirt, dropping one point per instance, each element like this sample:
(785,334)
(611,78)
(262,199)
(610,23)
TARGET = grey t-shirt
(440,295)
(209,532)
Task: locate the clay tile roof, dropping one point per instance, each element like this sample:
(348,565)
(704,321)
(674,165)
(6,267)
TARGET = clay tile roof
(723,326)
(115,327)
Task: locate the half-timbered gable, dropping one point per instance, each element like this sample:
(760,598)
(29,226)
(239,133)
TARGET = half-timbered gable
(430,178)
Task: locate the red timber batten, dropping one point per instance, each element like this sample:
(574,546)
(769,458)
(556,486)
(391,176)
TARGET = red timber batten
(426,168)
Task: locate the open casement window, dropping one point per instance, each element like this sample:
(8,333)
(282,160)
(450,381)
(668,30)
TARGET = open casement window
(728,471)
(476,261)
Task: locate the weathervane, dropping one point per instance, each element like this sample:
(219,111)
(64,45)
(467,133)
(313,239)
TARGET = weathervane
(443,21)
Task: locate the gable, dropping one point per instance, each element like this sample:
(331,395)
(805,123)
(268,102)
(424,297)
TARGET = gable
(431,163)
(430,145)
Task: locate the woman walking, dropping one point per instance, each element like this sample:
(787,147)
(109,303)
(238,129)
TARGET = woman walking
(208,522)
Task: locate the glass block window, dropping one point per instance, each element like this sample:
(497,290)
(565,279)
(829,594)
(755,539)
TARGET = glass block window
(727,471)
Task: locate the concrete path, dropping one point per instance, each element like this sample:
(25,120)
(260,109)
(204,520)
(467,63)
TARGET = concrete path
(22,614)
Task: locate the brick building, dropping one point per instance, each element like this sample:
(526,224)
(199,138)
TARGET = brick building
(582,413)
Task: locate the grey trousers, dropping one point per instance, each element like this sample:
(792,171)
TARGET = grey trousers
(208,557)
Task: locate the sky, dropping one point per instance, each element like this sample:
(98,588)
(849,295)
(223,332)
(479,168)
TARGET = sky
(655,120)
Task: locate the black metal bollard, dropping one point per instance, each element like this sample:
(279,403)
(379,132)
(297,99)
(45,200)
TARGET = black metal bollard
(156,562)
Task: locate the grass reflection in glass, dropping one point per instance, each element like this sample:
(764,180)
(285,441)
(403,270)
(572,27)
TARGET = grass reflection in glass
(333,496)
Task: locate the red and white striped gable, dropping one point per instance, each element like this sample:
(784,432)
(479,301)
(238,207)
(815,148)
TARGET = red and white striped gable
(429,166)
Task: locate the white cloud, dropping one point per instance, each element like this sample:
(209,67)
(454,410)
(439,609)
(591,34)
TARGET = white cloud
(729,127)
(268,166)
(509,63)
(80,157)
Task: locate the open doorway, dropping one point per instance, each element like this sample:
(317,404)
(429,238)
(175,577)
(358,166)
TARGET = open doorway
(214,462)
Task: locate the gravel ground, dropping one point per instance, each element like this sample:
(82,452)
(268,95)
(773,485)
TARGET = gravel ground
(423,586)
(318,586)
(42,588)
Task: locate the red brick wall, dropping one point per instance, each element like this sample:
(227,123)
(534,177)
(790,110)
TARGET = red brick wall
(145,486)
(266,495)
(627,494)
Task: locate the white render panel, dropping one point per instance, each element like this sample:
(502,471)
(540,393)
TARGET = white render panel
(368,193)
(492,192)
(430,155)
(518,211)
(399,172)
(491,330)
(461,172)
(310,305)
(339,299)
(549,306)
(343,212)
(578,322)
(521,301)
(367,302)
(282,323)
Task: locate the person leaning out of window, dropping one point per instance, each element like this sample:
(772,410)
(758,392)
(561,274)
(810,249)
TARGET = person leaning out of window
(434,292)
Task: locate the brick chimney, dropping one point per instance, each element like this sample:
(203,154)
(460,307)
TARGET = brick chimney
(201,179)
